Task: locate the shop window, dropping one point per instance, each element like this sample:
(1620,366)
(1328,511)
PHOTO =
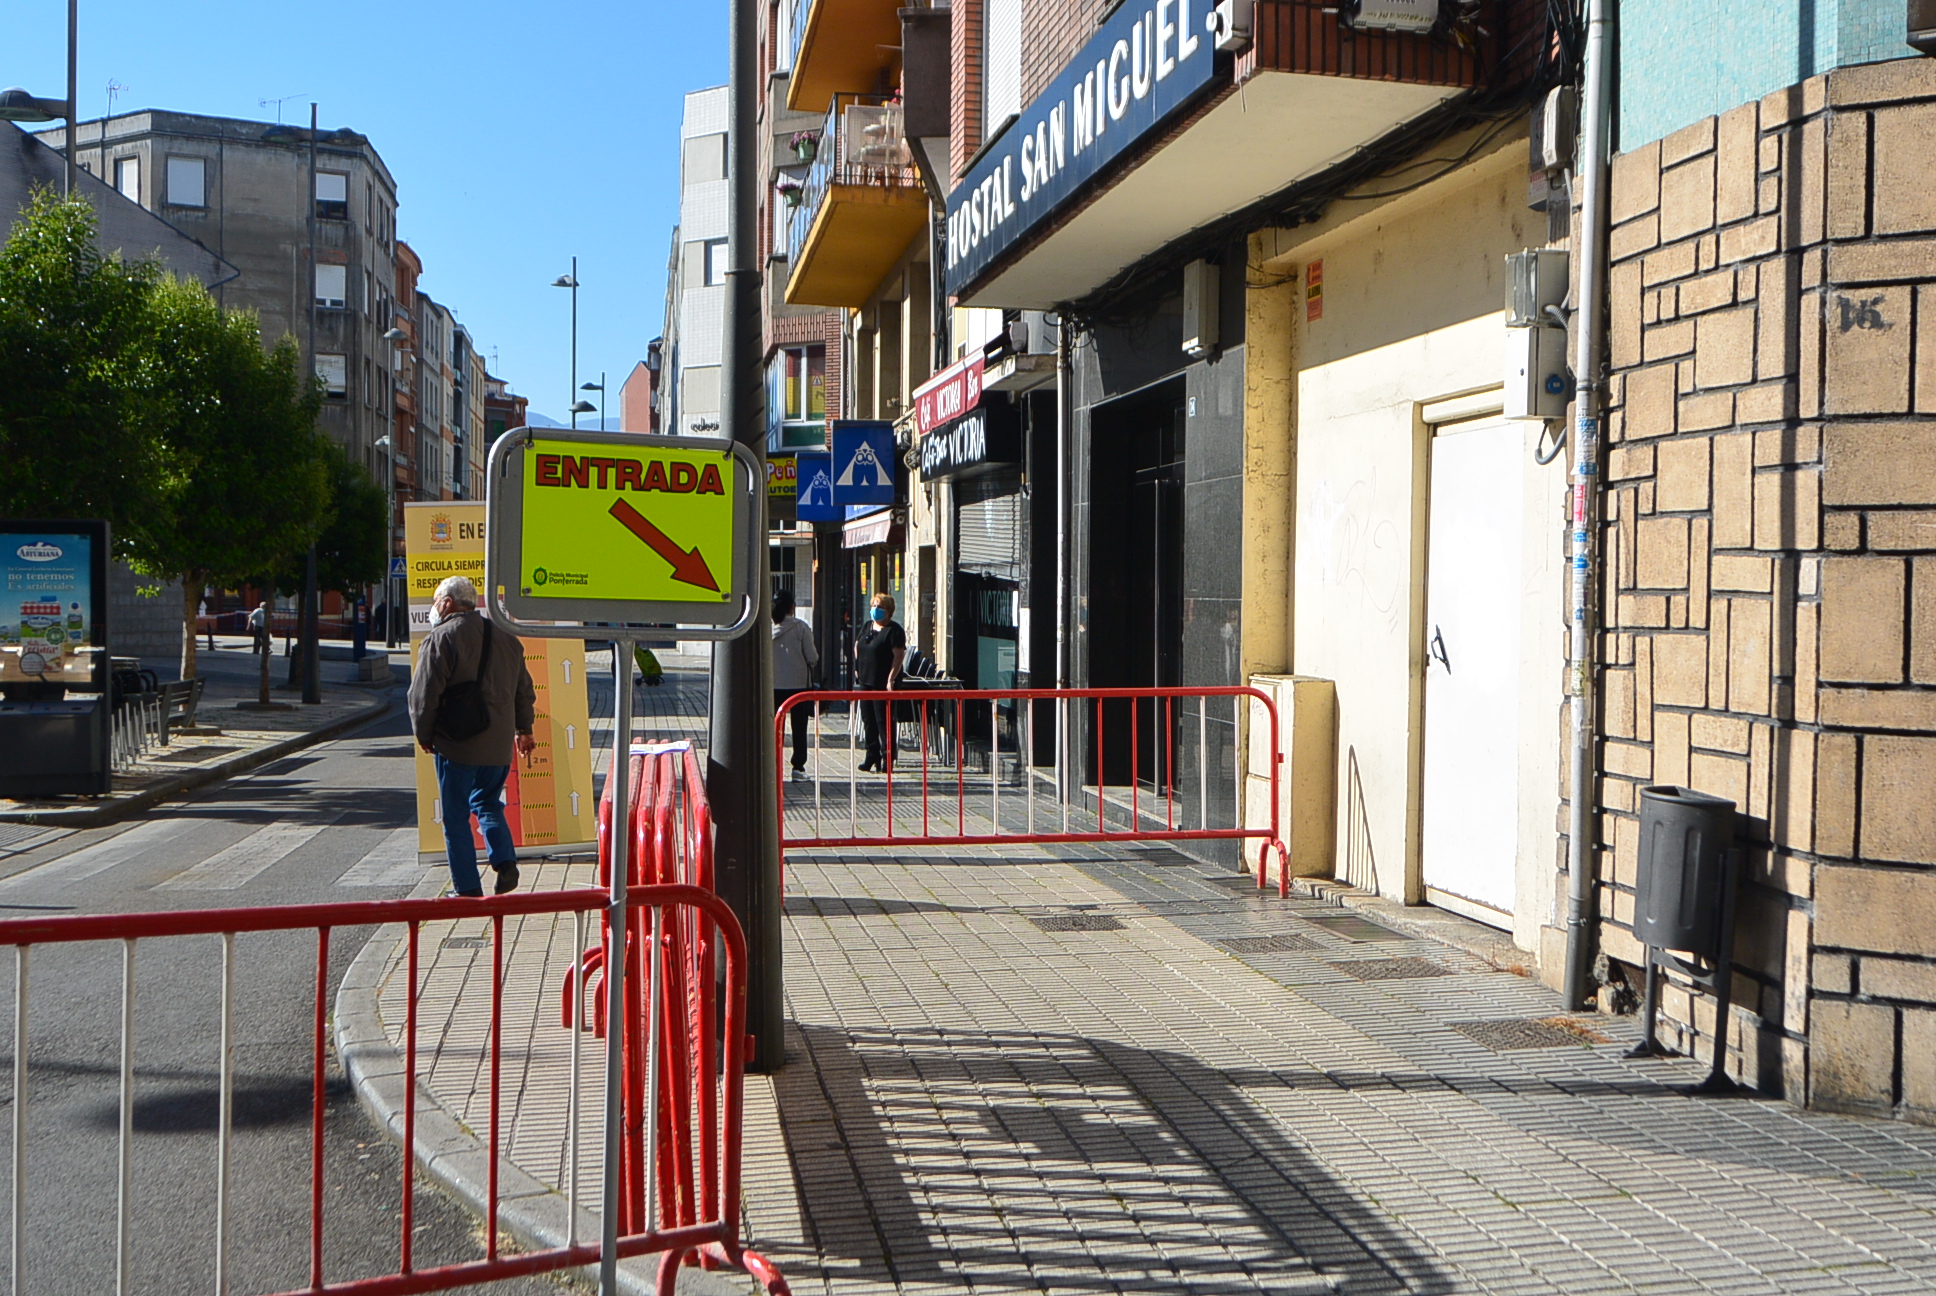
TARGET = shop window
(332,195)
(187,182)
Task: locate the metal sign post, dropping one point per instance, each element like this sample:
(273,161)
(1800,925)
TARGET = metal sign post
(603,535)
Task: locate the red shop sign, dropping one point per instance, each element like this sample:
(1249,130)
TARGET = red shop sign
(948,395)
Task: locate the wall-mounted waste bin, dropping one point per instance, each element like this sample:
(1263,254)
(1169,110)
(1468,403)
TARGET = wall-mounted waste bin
(1685,837)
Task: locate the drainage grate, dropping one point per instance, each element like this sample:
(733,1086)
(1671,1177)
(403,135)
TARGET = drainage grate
(1279,944)
(1506,1034)
(466,942)
(1351,925)
(1398,969)
(1078,922)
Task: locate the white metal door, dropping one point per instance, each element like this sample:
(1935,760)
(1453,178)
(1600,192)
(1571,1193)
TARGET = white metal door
(1472,622)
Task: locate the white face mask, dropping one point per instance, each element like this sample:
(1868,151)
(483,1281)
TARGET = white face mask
(436,616)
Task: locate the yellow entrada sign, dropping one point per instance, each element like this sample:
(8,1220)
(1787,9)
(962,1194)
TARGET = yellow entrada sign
(592,531)
(611,522)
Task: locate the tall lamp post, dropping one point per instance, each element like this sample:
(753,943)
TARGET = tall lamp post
(571,281)
(399,340)
(598,387)
(19,106)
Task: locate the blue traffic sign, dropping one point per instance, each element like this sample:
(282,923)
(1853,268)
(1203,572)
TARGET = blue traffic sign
(813,499)
(397,568)
(863,462)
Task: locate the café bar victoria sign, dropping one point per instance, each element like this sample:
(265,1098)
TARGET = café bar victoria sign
(1147,61)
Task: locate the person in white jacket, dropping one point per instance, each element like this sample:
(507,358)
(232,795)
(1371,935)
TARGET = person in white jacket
(794,658)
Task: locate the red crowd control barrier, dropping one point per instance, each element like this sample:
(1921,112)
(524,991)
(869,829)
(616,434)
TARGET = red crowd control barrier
(1123,755)
(693,1035)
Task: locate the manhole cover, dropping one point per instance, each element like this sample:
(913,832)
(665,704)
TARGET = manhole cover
(1351,925)
(1077,922)
(1280,944)
(466,942)
(190,755)
(1505,1034)
(1398,969)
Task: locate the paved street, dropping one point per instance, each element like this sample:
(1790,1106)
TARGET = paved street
(335,822)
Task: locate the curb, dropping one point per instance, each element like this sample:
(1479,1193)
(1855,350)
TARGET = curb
(96,816)
(532,1212)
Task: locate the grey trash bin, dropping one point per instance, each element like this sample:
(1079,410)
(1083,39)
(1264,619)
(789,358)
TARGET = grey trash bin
(1685,837)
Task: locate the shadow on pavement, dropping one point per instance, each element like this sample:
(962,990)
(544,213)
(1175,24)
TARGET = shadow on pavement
(1022,1161)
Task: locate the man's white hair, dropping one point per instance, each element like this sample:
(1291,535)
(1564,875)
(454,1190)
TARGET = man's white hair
(460,590)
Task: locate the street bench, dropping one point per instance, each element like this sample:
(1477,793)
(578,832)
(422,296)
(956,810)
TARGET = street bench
(179,701)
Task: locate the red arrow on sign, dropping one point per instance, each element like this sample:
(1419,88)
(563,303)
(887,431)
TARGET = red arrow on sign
(687,564)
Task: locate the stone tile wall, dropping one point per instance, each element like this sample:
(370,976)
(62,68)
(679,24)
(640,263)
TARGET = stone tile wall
(1770,574)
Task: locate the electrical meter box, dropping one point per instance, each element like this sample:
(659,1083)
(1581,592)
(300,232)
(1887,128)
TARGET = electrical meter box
(1537,383)
(1534,281)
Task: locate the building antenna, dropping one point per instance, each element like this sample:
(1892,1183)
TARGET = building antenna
(114,88)
(264,103)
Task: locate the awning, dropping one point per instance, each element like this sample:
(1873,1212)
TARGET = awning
(875,528)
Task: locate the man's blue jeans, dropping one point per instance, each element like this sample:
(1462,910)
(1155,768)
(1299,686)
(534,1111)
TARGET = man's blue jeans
(468,790)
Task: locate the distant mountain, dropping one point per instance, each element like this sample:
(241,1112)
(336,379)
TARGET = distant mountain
(586,422)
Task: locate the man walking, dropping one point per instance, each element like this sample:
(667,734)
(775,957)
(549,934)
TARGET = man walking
(471,706)
(259,629)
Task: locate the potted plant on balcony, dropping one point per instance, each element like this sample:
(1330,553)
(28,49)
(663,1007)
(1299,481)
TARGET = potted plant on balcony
(805,144)
(790,190)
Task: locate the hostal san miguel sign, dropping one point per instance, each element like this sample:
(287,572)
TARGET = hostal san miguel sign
(1147,61)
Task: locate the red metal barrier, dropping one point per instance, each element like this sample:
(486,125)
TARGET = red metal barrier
(705,1224)
(942,720)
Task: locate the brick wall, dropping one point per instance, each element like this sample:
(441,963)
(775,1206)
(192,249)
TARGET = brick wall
(1770,538)
(1052,32)
(965,93)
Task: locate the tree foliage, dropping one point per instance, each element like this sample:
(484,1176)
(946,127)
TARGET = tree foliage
(75,414)
(350,551)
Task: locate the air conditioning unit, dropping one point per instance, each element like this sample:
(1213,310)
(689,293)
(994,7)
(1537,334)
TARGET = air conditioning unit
(1922,26)
(1200,292)
(1229,24)
(1417,16)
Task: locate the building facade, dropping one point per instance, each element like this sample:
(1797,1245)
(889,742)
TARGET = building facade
(696,285)
(242,189)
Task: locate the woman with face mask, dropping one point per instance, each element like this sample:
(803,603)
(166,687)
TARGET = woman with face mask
(879,650)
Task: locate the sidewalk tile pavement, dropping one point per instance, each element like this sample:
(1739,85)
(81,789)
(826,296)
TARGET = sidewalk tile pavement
(1214,1091)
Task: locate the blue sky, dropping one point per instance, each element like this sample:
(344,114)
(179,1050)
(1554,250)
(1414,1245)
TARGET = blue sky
(519,133)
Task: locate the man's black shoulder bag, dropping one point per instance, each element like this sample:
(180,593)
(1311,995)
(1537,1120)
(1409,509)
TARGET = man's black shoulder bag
(462,712)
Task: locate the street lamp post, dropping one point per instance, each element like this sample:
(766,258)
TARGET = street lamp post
(571,281)
(17,105)
(598,387)
(399,342)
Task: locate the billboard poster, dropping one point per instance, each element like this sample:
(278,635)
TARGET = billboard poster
(50,631)
(549,799)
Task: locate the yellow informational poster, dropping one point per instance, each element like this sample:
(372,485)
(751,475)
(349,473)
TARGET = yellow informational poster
(548,798)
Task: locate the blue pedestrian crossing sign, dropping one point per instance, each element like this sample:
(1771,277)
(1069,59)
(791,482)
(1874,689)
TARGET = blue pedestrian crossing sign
(397,568)
(863,462)
(813,499)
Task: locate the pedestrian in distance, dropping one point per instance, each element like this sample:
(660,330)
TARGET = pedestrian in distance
(879,652)
(472,705)
(794,658)
(259,629)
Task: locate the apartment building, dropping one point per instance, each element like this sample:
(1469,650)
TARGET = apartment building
(696,281)
(242,189)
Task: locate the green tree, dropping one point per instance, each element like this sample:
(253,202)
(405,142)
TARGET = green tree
(251,479)
(350,552)
(76,432)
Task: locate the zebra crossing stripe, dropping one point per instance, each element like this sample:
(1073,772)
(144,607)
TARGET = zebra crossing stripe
(391,862)
(239,864)
(98,858)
